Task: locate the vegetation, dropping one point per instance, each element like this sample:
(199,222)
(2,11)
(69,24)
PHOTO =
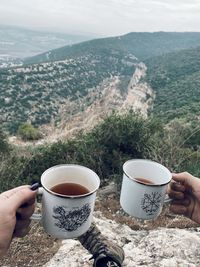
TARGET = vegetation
(143,45)
(39,89)
(105,149)
(38,92)
(27,132)
(170,135)
(4,146)
(175,78)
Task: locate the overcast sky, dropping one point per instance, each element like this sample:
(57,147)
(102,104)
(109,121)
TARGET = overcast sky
(102,17)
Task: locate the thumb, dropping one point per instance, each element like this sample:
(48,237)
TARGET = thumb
(185,178)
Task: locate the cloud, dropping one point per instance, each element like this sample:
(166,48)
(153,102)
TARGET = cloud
(103,17)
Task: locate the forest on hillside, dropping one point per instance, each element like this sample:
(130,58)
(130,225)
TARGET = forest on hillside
(175,78)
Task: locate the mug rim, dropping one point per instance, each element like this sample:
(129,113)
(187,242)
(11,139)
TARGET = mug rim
(142,183)
(70,196)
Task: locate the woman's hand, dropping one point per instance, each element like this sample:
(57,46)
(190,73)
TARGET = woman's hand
(16,207)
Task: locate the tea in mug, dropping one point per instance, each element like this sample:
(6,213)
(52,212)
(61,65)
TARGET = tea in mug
(143,180)
(70,189)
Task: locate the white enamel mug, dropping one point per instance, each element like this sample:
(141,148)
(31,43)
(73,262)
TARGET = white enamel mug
(139,199)
(66,216)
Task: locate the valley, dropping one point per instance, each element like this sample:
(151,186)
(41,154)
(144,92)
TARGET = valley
(76,116)
(71,89)
(20,42)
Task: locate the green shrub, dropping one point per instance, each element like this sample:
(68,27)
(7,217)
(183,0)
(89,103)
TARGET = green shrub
(11,168)
(173,148)
(4,146)
(27,132)
(104,149)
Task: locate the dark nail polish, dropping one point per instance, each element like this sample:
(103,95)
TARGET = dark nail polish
(35,186)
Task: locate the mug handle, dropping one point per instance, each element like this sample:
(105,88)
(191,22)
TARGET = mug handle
(167,199)
(37,216)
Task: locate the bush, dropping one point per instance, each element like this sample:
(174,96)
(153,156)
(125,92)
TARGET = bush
(104,149)
(4,146)
(27,132)
(11,168)
(172,149)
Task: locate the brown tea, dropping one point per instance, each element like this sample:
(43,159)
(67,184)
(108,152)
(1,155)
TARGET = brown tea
(143,180)
(70,189)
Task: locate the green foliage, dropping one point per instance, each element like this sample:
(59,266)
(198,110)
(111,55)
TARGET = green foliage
(120,137)
(27,132)
(39,91)
(191,163)
(174,148)
(104,149)
(73,70)
(176,79)
(141,44)
(11,168)
(4,146)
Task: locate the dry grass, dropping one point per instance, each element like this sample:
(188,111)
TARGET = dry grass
(111,209)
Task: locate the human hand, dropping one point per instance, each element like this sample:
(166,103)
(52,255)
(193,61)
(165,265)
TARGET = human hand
(185,194)
(16,207)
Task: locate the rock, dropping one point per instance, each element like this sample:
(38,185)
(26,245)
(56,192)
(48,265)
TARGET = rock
(161,247)
(108,191)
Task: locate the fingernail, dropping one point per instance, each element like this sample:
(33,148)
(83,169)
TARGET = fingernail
(35,186)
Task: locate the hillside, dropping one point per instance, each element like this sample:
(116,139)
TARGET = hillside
(143,45)
(86,80)
(38,93)
(175,78)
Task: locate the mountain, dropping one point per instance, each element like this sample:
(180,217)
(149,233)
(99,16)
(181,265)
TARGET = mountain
(17,42)
(142,45)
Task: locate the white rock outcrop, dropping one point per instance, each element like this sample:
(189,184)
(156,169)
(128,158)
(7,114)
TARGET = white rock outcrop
(163,247)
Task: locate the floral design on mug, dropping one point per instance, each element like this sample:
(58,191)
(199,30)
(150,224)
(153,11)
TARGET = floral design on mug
(151,202)
(71,220)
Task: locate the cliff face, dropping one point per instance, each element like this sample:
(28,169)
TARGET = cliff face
(140,96)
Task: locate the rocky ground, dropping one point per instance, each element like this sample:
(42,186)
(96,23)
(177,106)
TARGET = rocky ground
(168,241)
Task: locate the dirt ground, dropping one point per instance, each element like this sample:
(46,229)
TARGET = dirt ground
(37,247)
